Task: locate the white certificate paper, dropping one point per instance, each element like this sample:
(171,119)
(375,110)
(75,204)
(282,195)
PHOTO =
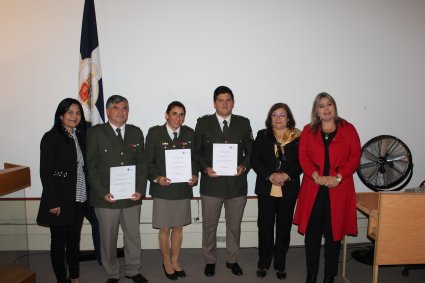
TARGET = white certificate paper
(225,159)
(178,165)
(123,181)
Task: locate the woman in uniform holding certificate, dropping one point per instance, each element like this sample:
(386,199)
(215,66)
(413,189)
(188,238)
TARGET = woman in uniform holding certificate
(171,200)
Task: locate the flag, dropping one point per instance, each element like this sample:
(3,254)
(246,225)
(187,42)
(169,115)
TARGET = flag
(90,94)
(90,75)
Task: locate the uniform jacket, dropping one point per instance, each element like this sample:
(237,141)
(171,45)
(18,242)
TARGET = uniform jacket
(263,162)
(344,156)
(106,150)
(58,173)
(157,142)
(208,132)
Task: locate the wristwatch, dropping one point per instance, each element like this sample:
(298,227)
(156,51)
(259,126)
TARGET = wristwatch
(339,179)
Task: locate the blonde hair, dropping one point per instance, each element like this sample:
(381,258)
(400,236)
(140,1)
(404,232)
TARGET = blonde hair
(315,119)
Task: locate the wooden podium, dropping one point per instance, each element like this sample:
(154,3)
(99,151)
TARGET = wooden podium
(14,178)
(397,224)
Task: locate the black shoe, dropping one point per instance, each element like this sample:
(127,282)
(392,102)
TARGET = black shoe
(261,272)
(181,273)
(172,276)
(328,279)
(209,269)
(112,280)
(138,278)
(236,269)
(280,274)
(311,278)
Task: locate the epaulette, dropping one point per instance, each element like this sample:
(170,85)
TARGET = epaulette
(132,126)
(188,128)
(96,126)
(205,116)
(240,116)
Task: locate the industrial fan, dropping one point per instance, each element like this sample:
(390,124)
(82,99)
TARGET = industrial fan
(385,164)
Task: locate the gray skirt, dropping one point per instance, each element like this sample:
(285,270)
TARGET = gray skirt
(168,213)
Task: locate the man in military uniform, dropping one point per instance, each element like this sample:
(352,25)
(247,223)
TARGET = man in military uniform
(222,127)
(114,144)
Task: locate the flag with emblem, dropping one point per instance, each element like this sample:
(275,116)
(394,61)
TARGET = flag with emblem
(90,74)
(90,94)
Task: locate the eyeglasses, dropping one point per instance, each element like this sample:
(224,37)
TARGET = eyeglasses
(276,115)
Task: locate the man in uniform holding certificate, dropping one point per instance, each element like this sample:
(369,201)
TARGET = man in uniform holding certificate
(115,157)
(217,138)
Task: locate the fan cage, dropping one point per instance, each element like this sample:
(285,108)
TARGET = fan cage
(385,164)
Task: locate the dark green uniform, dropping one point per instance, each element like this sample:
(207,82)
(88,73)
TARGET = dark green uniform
(157,142)
(106,150)
(208,132)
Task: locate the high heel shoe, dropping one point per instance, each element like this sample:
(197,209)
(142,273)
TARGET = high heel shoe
(180,273)
(172,276)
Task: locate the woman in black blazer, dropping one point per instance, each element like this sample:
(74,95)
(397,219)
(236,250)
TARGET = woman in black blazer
(64,197)
(275,160)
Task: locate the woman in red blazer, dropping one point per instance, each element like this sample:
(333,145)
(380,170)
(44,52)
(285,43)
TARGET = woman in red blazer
(329,154)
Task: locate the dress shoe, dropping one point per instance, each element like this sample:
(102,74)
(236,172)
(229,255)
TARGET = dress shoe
(209,269)
(328,279)
(172,276)
(280,274)
(112,280)
(138,278)
(261,272)
(311,278)
(181,273)
(236,269)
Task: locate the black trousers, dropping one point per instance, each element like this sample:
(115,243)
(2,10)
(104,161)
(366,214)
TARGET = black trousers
(271,211)
(319,224)
(65,246)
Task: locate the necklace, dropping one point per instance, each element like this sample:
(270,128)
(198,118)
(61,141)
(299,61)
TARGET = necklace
(326,136)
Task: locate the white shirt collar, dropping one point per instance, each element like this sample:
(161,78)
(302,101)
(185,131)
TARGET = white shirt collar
(115,128)
(171,131)
(221,119)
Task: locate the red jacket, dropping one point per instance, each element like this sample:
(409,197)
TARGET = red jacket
(344,157)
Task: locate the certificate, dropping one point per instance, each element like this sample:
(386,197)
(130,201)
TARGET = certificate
(123,181)
(225,159)
(178,165)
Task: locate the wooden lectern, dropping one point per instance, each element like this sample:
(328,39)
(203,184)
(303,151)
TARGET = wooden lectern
(14,178)
(397,224)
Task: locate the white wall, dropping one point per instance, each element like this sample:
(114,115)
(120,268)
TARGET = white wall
(370,55)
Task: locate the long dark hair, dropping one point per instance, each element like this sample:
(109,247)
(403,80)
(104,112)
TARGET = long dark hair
(63,107)
(291,120)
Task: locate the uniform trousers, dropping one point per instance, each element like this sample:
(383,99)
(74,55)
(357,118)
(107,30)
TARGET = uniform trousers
(211,210)
(271,211)
(109,221)
(65,246)
(319,224)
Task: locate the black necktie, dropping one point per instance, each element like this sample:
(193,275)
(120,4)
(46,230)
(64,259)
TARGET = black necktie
(175,136)
(225,128)
(118,130)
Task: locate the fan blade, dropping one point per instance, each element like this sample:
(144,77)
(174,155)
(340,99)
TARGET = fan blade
(392,146)
(367,165)
(398,158)
(370,172)
(369,155)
